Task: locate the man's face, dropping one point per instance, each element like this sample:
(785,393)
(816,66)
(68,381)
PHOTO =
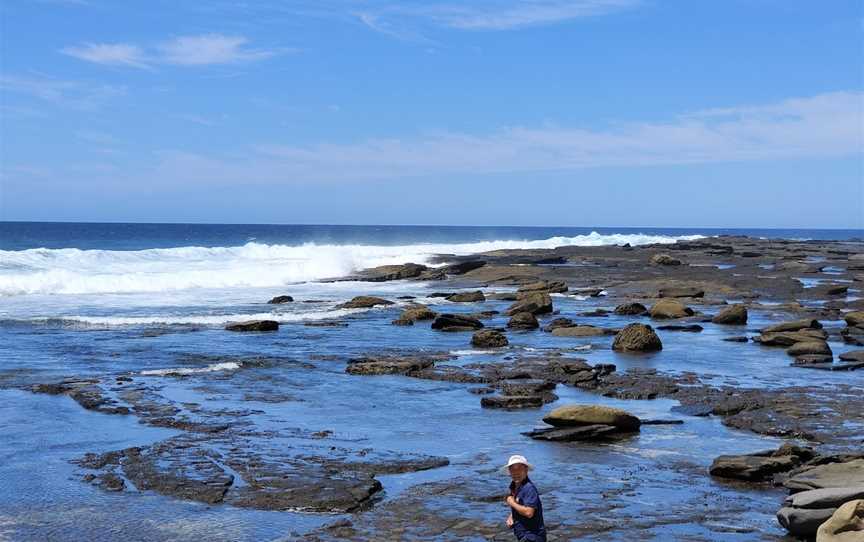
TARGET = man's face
(518,472)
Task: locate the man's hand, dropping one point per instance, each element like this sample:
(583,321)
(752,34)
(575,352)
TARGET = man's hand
(510,521)
(510,500)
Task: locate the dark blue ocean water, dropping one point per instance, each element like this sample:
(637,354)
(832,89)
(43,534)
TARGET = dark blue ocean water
(123,236)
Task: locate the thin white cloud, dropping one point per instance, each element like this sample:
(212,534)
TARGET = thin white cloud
(73,94)
(826,125)
(110,54)
(199,50)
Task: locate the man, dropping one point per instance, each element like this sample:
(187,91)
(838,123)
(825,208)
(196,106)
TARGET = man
(526,510)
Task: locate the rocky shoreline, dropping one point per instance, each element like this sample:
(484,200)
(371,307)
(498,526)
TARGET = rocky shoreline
(809,289)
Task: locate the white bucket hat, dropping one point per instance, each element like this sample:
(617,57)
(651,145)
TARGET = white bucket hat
(517,460)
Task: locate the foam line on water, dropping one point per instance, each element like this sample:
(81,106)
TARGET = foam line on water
(75,271)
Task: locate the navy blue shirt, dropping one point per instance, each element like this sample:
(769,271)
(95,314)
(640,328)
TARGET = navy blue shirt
(530,529)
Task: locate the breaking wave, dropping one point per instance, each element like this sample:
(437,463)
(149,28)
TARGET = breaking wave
(75,271)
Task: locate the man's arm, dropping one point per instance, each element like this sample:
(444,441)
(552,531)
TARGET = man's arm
(526,511)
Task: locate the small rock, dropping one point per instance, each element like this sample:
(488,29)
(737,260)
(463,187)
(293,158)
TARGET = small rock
(555,287)
(575,415)
(680,291)
(737,339)
(734,315)
(670,309)
(637,338)
(809,348)
(535,303)
(571,434)
(558,322)
(523,320)
(456,322)
(664,259)
(279,299)
(464,267)
(253,325)
(794,325)
(581,331)
(466,297)
(631,309)
(692,328)
(364,302)
(489,338)
(511,401)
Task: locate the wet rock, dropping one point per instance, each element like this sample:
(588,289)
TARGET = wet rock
(680,291)
(253,325)
(466,297)
(415,313)
(737,339)
(803,522)
(402,322)
(664,259)
(670,309)
(759,466)
(558,322)
(854,355)
(523,320)
(503,296)
(596,313)
(734,315)
(456,322)
(581,331)
(835,289)
(535,303)
(280,299)
(637,338)
(794,325)
(483,315)
(572,434)
(464,267)
(576,415)
(788,338)
(854,319)
(631,309)
(831,475)
(553,287)
(692,328)
(526,386)
(807,359)
(391,272)
(364,302)
(489,338)
(388,364)
(845,525)
(511,401)
(808,348)
(590,292)
(824,498)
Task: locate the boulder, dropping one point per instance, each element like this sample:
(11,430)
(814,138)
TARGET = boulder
(489,338)
(463,267)
(669,309)
(631,309)
(734,315)
(581,331)
(854,319)
(279,299)
(637,338)
(523,320)
(680,291)
(841,474)
(664,259)
(807,348)
(253,325)
(364,302)
(456,322)
(575,415)
(803,522)
(845,525)
(555,287)
(418,312)
(824,498)
(558,322)
(391,272)
(788,338)
(535,303)
(759,466)
(854,355)
(794,325)
(466,297)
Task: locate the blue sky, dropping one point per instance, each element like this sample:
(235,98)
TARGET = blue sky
(740,113)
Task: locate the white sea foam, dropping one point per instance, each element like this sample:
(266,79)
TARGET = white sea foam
(198,319)
(226,366)
(75,271)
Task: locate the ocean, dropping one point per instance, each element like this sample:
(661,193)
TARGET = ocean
(149,302)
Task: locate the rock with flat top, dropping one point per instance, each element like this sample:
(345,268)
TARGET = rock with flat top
(253,325)
(576,415)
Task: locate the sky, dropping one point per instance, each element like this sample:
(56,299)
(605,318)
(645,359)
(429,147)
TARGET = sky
(630,113)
